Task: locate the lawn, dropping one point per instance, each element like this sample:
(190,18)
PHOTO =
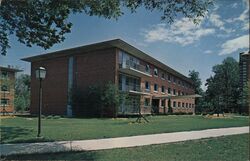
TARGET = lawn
(229,148)
(22,129)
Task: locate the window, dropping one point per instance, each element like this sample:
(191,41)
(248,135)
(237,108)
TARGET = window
(169,77)
(163,103)
(147,68)
(183,104)
(169,90)
(179,104)
(186,105)
(179,82)
(147,86)
(147,102)
(189,105)
(162,75)
(174,104)
(163,89)
(4,88)
(182,93)
(156,87)
(192,105)
(4,101)
(179,93)
(156,72)
(174,92)
(174,79)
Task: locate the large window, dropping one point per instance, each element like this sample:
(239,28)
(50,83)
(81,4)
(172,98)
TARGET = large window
(147,69)
(4,88)
(183,104)
(186,105)
(169,90)
(169,77)
(156,87)
(163,76)
(147,86)
(4,102)
(156,72)
(147,102)
(174,104)
(179,104)
(174,92)
(163,89)
(174,79)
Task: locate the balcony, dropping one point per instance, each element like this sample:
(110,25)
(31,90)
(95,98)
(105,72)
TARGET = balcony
(133,89)
(129,67)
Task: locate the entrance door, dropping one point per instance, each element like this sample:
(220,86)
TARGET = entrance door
(155,106)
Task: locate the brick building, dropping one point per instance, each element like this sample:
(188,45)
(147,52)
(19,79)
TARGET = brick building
(7,92)
(245,77)
(150,83)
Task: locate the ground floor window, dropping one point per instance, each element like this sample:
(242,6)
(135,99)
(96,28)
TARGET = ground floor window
(147,102)
(174,104)
(4,102)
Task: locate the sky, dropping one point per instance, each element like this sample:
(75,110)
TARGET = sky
(182,45)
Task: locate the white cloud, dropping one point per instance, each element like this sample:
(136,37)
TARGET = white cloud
(183,32)
(208,52)
(215,19)
(233,45)
(243,17)
(234,5)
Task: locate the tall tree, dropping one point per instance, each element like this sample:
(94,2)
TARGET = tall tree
(45,22)
(195,77)
(22,93)
(223,87)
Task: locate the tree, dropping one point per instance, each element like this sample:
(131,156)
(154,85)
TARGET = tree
(22,93)
(45,22)
(223,88)
(112,98)
(195,77)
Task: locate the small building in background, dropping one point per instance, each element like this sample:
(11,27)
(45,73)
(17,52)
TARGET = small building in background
(245,79)
(7,89)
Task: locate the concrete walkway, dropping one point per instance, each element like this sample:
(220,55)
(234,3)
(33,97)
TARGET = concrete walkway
(121,142)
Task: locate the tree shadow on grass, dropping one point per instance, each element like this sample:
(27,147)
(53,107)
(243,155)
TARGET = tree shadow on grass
(83,155)
(18,135)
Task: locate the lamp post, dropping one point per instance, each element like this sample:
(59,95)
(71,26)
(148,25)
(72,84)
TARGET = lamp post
(40,75)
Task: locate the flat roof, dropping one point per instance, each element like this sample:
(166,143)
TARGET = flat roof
(10,69)
(116,43)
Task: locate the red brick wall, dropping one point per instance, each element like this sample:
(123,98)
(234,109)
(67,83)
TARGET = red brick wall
(97,67)
(92,68)
(54,86)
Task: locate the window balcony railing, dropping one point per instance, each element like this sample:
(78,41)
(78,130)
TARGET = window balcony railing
(131,87)
(136,67)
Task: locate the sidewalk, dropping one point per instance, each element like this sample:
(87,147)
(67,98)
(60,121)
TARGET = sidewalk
(121,142)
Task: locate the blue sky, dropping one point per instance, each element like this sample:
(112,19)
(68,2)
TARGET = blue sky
(223,32)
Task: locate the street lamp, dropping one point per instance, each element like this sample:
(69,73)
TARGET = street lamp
(40,75)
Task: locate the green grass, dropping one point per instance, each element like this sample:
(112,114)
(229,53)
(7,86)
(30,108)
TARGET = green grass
(229,148)
(22,129)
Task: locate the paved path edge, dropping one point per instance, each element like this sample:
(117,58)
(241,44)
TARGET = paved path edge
(120,142)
